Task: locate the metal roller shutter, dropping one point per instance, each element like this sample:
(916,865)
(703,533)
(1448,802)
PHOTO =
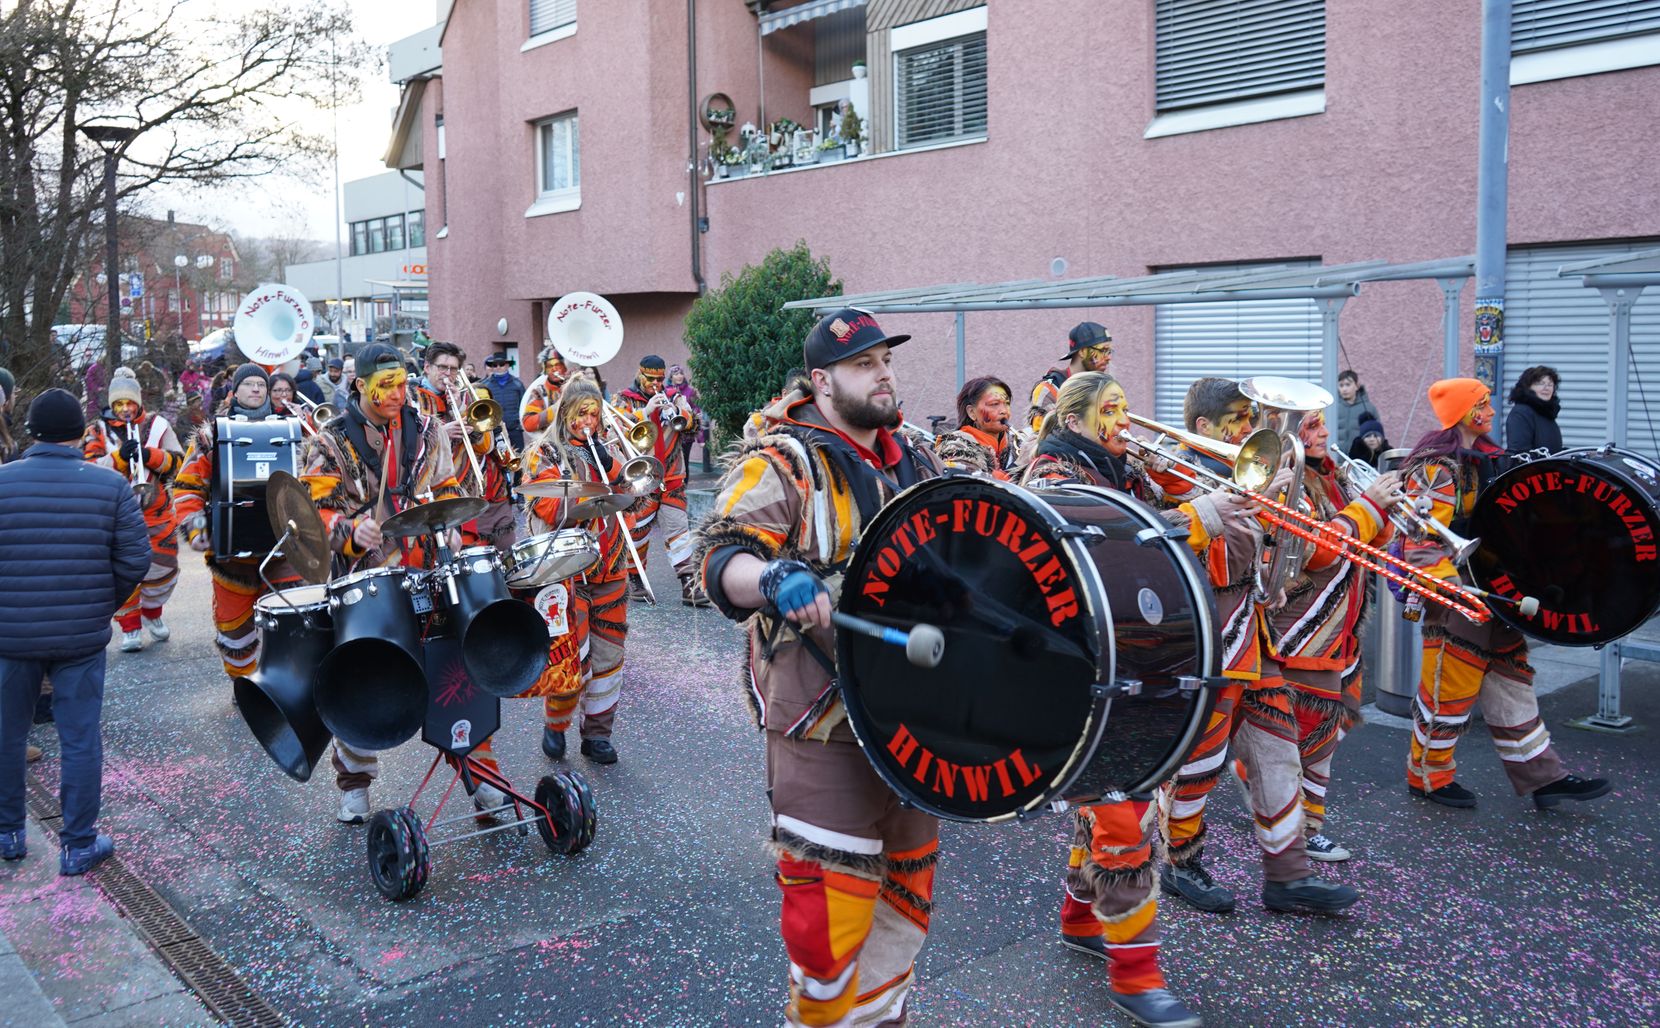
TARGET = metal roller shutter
(1214,51)
(1544,24)
(1557,321)
(1233,339)
(547,15)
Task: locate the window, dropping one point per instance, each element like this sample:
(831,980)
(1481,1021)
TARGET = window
(394,232)
(1230,50)
(227,269)
(558,166)
(940,91)
(360,238)
(1543,24)
(417,228)
(377,235)
(548,15)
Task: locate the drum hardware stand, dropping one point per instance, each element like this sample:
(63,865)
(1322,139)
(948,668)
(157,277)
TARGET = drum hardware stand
(282,594)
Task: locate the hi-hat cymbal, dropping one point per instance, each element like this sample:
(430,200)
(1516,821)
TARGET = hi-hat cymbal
(563,488)
(436,516)
(601,506)
(288,504)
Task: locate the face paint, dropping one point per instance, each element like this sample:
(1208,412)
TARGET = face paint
(126,410)
(1096,358)
(583,421)
(651,382)
(1314,435)
(385,391)
(1480,418)
(1232,427)
(991,412)
(1112,418)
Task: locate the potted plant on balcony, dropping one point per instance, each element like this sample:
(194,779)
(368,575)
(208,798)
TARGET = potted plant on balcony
(852,125)
(859,70)
(831,150)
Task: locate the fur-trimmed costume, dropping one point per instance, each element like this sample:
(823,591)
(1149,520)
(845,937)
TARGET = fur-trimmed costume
(162,456)
(969,449)
(670,501)
(855,868)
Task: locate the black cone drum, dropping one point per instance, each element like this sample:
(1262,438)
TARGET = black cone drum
(372,687)
(1079,633)
(504,641)
(295,634)
(1578,532)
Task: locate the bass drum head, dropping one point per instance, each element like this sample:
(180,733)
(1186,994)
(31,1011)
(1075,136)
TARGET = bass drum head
(1163,626)
(1010,714)
(1578,532)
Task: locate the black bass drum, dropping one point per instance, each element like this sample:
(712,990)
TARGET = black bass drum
(1080,638)
(245,454)
(1577,530)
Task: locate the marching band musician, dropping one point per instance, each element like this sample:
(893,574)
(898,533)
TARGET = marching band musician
(645,398)
(236,581)
(1089,349)
(1464,662)
(1255,711)
(440,394)
(283,389)
(981,442)
(344,463)
(542,398)
(128,439)
(587,615)
(855,867)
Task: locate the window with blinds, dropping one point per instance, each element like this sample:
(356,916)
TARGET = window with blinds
(1547,24)
(547,15)
(559,166)
(1217,51)
(940,91)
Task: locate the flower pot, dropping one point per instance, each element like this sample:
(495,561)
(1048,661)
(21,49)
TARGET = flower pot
(722,170)
(859,71)
(830,156)
(852,148)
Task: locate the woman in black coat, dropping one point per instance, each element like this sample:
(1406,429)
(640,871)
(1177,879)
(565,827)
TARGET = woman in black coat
(1532,422)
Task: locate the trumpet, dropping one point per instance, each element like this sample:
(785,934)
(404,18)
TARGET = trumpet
(1251,463)
(1406,516)
(639,432)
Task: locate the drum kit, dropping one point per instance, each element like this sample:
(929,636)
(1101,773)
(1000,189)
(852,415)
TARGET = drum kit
(379,655)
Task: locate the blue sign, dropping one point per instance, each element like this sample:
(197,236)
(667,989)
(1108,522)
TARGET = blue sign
(135,285)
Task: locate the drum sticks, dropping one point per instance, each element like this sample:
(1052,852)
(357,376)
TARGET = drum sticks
(924,644)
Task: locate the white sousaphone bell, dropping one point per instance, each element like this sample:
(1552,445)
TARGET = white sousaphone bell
(585,328)
(273,324)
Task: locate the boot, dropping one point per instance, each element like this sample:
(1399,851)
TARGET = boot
(692,594)
(1191,882)
(600,751)
(1308,894)
(1156,1008)
(553,743)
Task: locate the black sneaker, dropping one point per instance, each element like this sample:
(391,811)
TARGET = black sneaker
(600,751)
(1308,894)
(1450,795)
(553,743)
(1156,1008)
(1322,848)
(1570,787)
(1094,945)
(1191,882)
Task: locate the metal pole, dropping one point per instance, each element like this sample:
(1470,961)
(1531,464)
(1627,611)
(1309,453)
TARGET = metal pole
(112,258)
(339,214)
(962,351)
(1451,290)
(1330,308)
(1492,196)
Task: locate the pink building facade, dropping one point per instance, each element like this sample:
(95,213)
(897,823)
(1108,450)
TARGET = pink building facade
(558,160)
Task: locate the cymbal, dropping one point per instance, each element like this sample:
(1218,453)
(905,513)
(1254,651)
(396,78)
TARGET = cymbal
(433,517)
(288,504)
(601,506)
(564,489)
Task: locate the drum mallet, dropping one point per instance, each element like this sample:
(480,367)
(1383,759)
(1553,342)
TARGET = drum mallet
(1528,605)
(924,644)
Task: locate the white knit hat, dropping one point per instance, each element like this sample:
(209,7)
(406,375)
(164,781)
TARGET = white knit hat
(124,386)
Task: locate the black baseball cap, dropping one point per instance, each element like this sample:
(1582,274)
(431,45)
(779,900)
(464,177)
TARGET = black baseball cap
(1086,334)
(495,358)
(336,364)
(842,334)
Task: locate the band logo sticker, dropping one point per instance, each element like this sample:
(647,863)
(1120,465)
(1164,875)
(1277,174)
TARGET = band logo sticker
(1152,608)
(461,734)
(553,603)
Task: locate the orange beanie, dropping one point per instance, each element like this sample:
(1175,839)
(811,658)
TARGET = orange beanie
(1452,398)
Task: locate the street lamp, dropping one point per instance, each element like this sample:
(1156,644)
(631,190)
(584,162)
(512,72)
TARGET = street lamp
(112,139)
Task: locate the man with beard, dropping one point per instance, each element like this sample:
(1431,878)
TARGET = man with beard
(855,867)
(1089,349)
(646,399)
(980,442)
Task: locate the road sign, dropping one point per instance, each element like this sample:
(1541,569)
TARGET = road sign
(135,285)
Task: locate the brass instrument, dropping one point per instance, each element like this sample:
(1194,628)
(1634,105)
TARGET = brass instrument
(475,416)
(315,414)
(1254,463)
(1282,402)
(639,432)
(622,523)
(1408,517)
(642,473)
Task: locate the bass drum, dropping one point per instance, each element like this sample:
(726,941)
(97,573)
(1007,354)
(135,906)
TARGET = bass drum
(245,454)
(1080,638)
(1576,530)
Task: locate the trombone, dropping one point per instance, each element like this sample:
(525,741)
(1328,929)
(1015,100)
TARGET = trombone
(622,522)
(642,473)
(315,413)
(484,414)
(1254,462)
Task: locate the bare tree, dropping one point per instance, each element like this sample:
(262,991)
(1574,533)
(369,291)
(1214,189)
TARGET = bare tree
(203,92)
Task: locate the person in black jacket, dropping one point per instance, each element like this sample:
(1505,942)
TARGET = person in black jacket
(1370,443)
(74,547)
(1532,421)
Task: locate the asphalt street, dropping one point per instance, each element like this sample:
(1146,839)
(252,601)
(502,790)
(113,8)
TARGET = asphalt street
(1497,916)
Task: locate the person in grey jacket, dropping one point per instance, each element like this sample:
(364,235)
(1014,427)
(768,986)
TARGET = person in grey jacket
(73,547)
(1353,407)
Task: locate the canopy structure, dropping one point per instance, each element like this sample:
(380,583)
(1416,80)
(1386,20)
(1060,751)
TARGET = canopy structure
(772,21)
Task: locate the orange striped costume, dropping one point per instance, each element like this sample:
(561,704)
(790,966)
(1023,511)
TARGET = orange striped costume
(1464,662)
(162,457)
(495,527)
(670,501)
(540,401)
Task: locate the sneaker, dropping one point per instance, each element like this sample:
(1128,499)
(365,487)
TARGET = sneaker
(158,629)
(14,845)
(1450,795)
(600,751)
(1155,1007)
(1570,787)
(31,753)
(133,641)
(1094,945)
(487,799)
(354,806)
(78,860)
(1322,848)
(553,743)
(1308,894)
(1192,883)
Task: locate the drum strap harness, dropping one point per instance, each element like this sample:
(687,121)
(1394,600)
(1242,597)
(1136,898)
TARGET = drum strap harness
(356,428)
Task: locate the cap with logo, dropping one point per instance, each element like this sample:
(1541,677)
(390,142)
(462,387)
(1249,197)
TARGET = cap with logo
(842,334)
(1086,334)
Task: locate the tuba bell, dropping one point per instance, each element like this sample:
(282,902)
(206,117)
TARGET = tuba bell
(1282,403)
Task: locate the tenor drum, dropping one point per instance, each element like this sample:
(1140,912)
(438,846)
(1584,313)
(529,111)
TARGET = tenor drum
(277,700)
(245,454)
(372,687)
(1080,640)
(551,557)
(503,640)
(1577,531)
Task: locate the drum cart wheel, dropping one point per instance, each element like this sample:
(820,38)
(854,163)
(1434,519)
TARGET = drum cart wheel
(568,816)
(398,856)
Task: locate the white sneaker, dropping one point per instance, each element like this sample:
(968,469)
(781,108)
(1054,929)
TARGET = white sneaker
(354,806)
(158,629)
(132,642)
(1322,848)
(489,798)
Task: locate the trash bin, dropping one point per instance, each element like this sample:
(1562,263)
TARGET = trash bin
(1398,651)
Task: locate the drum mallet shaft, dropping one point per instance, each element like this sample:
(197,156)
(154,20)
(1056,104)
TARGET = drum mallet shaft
(924,644)
(1528,605)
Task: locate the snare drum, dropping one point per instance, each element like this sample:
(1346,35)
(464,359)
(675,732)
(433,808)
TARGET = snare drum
(295,634)
(503,640)
(245,454)
(1576,530)
(372,687)
(1080,647)
(551,557)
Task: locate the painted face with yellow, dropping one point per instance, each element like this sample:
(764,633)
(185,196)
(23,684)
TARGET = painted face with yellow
(582,421)
(126,410)
(385,392)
